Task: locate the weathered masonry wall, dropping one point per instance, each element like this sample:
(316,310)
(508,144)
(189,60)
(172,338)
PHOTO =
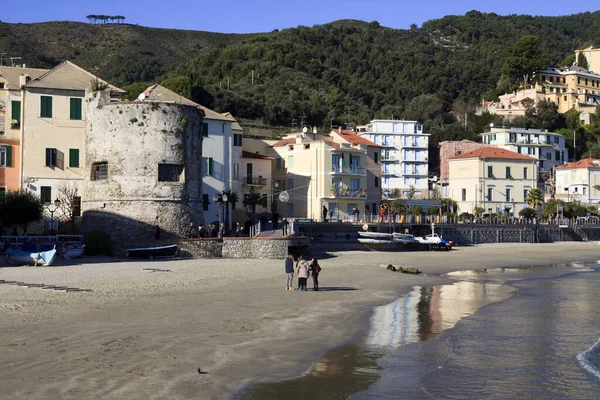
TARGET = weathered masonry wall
(240,248)
(133,138)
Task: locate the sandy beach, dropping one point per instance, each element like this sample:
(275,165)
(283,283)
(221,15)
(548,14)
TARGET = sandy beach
(141,334)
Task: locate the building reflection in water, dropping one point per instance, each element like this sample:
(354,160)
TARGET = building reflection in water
(426,312)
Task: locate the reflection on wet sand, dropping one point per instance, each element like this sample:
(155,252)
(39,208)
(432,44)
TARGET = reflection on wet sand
(422,314)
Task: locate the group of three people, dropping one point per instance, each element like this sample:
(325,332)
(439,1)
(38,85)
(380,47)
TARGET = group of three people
(304,270)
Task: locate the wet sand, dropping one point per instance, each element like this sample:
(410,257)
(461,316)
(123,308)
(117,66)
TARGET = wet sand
(142,334)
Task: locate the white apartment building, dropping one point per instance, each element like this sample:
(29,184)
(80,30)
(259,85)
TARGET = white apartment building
(578,181)
(547,147)
(404,155)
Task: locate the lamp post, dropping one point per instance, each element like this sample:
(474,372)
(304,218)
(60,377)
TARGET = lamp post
(52,211)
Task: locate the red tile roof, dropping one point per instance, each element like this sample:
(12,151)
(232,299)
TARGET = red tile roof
(247,154)
(353,138)
(284,142)
(495,153)
(585,163)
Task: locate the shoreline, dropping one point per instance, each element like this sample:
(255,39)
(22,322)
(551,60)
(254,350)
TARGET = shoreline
(144,334)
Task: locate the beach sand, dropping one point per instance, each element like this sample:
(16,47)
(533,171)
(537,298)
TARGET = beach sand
(143,335)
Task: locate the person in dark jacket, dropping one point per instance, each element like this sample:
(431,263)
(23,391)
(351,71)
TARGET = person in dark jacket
(315,269)
(289,270)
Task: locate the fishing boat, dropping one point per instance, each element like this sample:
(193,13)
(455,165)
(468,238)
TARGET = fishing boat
(41,258)
(152,252)
(375,237)
(404,238)
(69,251)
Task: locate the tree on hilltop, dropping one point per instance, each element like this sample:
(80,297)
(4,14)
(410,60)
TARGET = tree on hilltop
(524,58)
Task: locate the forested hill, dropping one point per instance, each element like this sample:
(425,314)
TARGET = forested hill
(120,53)
(353,71)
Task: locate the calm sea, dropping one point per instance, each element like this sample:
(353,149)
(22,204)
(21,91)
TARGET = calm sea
(507,333)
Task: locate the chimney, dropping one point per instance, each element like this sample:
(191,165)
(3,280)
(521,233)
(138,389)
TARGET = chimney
(23,79)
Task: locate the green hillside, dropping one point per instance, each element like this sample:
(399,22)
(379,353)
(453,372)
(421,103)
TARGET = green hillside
(120,53)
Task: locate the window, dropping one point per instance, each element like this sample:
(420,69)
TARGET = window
(508,175)
(205,129)
(45,194)
(169,172)
(100,171)
(208,166)
(290,209)
(464,194)
(376,181)
(490,171)
(278,163)
(73,158)
(75,108)
(290,184)
(290,161)
(236,171)
(15,114)
(46,107)
(237,139)
(354,184)
(205,202)
(524,172)
(376,157)
(6,156)
(565,98)
(557,153)
(490,194)
(549,156)
(507,193)
(50,157)
(525,195)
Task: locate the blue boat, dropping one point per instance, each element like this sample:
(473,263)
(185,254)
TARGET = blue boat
(42,258)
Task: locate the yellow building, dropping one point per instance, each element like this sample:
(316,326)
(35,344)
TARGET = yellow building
(592,56)
(319,173)
(11,79)
(52,131)
(494,179)
(569,87)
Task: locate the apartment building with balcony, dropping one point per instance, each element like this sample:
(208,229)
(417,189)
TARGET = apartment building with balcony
(317,171)
(578,181)
(404,155)
(569,87)
(494,179)
(449,149)
(547,147)
(257,178)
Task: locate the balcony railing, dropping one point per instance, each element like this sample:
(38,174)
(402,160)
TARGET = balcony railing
(349,193)
(388,157)
(255,181)
(347,170)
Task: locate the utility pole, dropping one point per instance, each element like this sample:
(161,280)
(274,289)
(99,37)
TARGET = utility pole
(252,77)
(227,83)
(574,148)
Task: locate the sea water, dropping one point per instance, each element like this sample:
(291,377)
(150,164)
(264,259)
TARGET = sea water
(506,333)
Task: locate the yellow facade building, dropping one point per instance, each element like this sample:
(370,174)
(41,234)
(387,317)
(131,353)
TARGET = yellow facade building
(569,87)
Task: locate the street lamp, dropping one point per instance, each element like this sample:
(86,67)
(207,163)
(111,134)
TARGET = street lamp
(221,200)
(52,211)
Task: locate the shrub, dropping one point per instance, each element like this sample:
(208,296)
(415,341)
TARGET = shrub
(97,242)
(527,213)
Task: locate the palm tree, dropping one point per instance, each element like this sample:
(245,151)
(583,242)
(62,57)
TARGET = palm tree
(232,197)
(534,198)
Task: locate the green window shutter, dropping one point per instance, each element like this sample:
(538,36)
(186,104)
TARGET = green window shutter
(490,171)
(75,108)
(73,158)
(508,172)
(45,194)
(9,156)
(205,129)
(16,112)
(46,107)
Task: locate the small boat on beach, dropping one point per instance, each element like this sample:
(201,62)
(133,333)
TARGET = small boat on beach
(69,251)
(152,252)
(42,258)
(375,237)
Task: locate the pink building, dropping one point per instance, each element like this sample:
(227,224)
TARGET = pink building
(449,149)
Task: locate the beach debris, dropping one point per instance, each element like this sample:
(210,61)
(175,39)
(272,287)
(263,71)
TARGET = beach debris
(414,271)
(157,270)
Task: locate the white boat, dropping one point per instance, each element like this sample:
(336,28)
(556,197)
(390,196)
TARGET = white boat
(374,237)
(42,258)
(69,251)
(404,238)
(369,240)
(429,239)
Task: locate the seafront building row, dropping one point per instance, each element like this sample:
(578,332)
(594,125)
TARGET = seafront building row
(164,157)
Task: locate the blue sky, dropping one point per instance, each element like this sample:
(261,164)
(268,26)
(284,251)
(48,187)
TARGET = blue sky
(243,16)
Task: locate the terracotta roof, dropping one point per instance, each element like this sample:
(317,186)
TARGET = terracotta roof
(69,76)
(247,154)
(585,163)
(160,93)
(353,138)
(495,153)
(12,74)
(284,142)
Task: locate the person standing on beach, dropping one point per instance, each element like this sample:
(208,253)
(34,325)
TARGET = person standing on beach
(302,269)
(324,214)
(289,270)
(315,269)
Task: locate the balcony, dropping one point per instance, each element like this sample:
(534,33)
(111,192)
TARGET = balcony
(415,173)
(349,170)
(255,181)
(389,173)
(389,157)
(347,193)
(415,160)
(415,144)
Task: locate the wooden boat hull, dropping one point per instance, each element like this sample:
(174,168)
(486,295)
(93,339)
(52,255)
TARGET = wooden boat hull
(152,252)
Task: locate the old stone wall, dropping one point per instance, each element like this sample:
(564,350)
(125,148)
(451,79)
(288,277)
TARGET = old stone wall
(133,138)
(242,248)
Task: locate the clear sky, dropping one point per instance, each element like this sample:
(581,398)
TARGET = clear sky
(244,16)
